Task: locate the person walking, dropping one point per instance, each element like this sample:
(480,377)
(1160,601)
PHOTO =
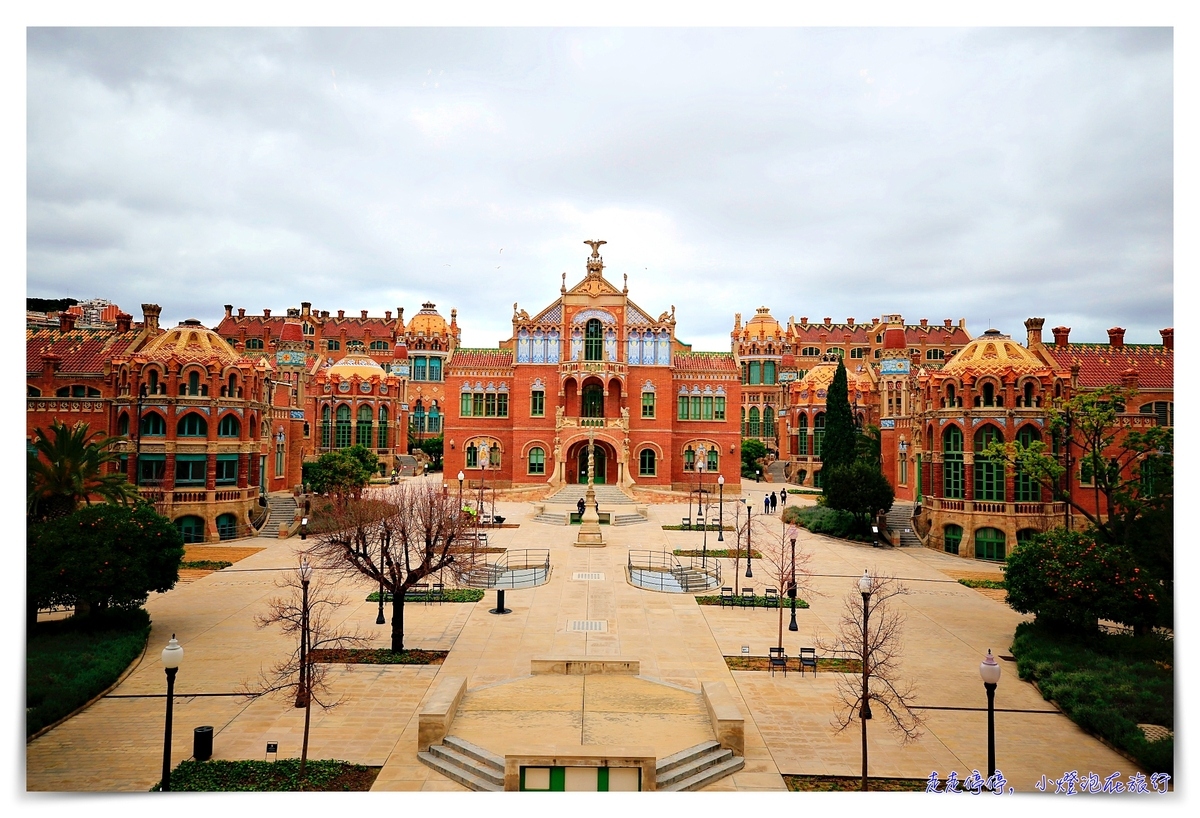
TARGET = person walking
(774,502)
(766,504)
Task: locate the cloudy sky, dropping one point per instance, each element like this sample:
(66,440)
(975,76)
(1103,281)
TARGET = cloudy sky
(985,174)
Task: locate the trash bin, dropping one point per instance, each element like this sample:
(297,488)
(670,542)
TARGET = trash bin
(202,741)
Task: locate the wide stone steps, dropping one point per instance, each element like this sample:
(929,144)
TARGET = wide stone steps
(627,519)
(550,518)
(280,511)
(468,764)
(696,767)
(899,517)
(605,495)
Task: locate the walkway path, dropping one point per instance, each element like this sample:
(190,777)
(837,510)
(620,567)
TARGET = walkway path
(116,745)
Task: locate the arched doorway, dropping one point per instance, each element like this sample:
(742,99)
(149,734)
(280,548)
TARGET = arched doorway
(601,465)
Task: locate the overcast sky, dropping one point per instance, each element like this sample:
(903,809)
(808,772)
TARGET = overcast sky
(985,174)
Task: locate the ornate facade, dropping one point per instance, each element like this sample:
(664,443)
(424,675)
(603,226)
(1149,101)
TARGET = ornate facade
(593,365)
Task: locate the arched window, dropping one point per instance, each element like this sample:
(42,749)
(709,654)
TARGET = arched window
(810,352)
(152,383)
(418,417)
(858,352)
(232,390)
(1028,397)
(32,392)
(593,341)
(153,424)
(191,528)
(380,346)
(332,345)
(952,538)
(123,424)
(593,400)
(77,391)
(192,425)
(989,395)
(646,463)
(1025,487)
(472,456)
(326,418)
(537,460)
(755,425)
(254,343)
(713,461)
(433,421)
(819,434)
(341,428)
(229,427)
(768,422)
(952,463)
(383,427)
(989,544)
(362,432)
(193,385)
(802,434)
(938,355)
(989,473)
(689,459)
(950,399)
(227,526)
(1163,411)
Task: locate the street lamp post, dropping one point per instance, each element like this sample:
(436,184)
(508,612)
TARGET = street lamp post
(721,508)
(792,533)
(700,466)
(383,550)
(989,671)
(737,548)
(172,655)
(302,695)
(749,553)
(485,452)
(461,477)
(864,713)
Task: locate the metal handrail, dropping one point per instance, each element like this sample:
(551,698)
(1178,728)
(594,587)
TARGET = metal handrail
(695,576)
(492,575)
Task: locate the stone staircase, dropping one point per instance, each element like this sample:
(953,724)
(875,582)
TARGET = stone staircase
(696,767)
(776,472)
(468,764)
(605,495)
(626,519)
(281,511)
(407,465)
(551,518)
(899,517)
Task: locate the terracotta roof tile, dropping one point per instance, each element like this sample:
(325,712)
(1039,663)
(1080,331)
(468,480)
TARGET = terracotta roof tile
(1102,364)
(704,362)
(467,358)
(81,350)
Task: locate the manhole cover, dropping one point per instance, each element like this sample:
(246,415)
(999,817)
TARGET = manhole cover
(587,575)
(588,625)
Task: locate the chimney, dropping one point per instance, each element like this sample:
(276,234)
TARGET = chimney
(228,310)
(850,322)
(826,321)
(266,313)
(124,321)
(1129,379)
(324,313)
(66,321)
(150,313)
(50,364)
(241,312)
(1168,336)
(1060,336)
(305,307)
(1116,337)
(341,313)
(364,314)
(387,315)
(1033,331)
(874,321)
(924,322)
(804,319)
(947,322)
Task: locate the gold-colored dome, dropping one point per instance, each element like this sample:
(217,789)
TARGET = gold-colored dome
(821,376)
(762,324)
(191,341)
(357,364)
(427,321)
(992,353)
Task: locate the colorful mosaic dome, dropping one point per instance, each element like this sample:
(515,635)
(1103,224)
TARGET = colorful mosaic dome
(993,352)
(191,341)
(763,325)
(817,380)
(428,321)
(357,364)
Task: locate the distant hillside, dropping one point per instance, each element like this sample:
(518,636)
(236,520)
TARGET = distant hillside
(49,304)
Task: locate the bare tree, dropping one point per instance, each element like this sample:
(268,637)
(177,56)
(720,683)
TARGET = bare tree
(782,561)
(399,537)
(305,612)
(869,631)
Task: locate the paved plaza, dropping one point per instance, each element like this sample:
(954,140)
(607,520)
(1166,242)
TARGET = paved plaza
(115,745)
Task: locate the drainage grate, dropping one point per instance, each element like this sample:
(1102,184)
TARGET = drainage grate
(588,625)
(587,575)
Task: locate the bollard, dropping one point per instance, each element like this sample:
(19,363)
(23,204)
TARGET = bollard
(500,609)
(202,743)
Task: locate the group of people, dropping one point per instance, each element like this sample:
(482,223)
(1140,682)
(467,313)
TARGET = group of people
(774,500)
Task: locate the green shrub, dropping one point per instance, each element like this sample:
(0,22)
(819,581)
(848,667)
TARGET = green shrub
(269,776)
(69,661)
(983,583)
(448,595)
(821,520)
(208,565)
(1105,683)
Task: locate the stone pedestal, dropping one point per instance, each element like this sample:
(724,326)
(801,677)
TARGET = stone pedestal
(589,526)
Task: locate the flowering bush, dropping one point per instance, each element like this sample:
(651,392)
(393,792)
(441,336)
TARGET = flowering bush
(1069,579)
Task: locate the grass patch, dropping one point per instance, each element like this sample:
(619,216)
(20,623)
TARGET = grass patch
(205,565)
(847,783)
(995,584)
(1107,684)
(377,656)
(69,661)
(449,595)
(831,522)
(270,776)
(759,601)
(829,665)
(713,552)
(694,528)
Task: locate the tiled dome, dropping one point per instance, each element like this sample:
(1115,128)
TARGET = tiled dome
(191,341)
(992,353)
(356,363)
(428,321)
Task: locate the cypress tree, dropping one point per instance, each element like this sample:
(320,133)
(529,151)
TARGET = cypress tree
(841,442)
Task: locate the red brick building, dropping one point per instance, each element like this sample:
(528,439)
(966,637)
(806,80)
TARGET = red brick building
(593,362)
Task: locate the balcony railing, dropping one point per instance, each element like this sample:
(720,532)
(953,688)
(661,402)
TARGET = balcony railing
(154,493)
(988,507)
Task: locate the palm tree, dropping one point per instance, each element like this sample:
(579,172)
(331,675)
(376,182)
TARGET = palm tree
(68,466)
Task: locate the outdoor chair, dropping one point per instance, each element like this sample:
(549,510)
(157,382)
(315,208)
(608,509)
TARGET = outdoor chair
(699,523)
(747,597)
(686,523)
(485,519)
(418,593)
(808,658)
(778,661)
(772,598)
(437,593)
(727,596)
